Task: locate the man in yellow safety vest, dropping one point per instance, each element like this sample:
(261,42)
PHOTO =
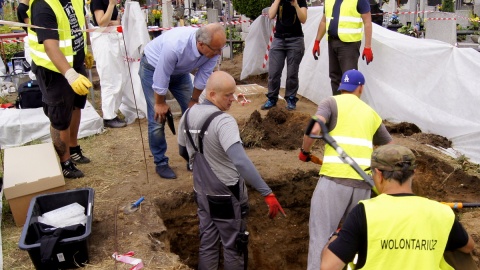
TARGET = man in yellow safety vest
(397,229)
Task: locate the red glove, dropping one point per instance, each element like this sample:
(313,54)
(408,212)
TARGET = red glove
(316,49)
(367,53)
(273,206)
(304,156)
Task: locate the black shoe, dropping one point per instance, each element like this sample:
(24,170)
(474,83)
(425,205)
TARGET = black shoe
(77,156)
(114,123)
(69,170)
(165,171)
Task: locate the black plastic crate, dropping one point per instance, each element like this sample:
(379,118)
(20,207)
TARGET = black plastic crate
(71,252)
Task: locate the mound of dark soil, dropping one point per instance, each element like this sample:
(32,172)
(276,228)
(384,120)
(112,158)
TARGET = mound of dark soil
(280,129)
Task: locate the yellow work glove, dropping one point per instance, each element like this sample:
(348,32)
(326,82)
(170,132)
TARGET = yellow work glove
(88,60)
(79,83)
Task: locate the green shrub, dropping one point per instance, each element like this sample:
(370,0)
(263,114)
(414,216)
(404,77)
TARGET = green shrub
(250,8)
(448,5)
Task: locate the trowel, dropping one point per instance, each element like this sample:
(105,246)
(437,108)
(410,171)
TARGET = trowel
(133,207)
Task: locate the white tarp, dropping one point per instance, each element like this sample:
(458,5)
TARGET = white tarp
(20,126)
(426,82)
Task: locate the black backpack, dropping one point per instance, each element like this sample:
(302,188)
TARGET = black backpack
(29,95)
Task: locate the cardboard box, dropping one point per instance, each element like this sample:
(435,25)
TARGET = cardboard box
(30,171)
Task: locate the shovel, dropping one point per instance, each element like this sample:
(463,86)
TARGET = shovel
(133,207)
(460,205)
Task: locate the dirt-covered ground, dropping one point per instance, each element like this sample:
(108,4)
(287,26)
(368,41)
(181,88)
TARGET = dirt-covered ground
(164,231)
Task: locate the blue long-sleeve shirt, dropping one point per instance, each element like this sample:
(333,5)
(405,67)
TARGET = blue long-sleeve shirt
(175,52)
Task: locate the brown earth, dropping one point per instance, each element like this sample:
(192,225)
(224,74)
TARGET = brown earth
(164,231)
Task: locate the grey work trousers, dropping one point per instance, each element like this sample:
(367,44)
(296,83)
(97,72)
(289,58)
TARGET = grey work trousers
(292,50)
(342,56)
(330,203)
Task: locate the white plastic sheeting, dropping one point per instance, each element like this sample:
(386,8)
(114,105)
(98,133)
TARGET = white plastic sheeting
(136,37)
(20,126)
(426,82)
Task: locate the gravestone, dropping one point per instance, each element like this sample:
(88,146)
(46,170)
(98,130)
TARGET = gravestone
(444,29)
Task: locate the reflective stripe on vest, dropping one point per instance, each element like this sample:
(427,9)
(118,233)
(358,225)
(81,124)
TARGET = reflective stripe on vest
(406,232)
(350,23)
(356,125)
(37,51)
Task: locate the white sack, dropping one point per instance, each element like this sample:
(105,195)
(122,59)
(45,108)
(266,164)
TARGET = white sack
(20,126)
(136,37)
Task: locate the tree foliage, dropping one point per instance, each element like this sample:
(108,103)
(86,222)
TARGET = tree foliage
(251,8)
(448,6)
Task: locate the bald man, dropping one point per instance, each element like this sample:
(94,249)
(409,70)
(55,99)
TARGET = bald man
(210,140)
(166,65)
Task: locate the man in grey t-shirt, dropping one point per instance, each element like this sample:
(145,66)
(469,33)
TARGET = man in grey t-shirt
(220,169)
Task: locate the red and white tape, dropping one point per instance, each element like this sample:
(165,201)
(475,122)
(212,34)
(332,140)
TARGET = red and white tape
(265,58)
(9,41)
(153,29)
(128,259)
(441,19)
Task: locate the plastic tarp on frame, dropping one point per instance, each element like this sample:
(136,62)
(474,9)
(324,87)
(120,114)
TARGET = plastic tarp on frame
(426,82)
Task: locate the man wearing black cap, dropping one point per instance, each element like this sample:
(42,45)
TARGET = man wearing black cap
(400,230)
(356,127)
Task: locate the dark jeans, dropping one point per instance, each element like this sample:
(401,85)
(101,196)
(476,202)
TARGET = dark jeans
(342,56)
(291,49)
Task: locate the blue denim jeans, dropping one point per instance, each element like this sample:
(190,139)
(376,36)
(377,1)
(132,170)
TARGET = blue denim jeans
(181,87)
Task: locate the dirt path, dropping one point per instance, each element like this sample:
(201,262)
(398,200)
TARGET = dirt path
(163,233)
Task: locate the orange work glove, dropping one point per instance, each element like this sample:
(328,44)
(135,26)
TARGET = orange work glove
(367,53)
(273,206)
(316,49)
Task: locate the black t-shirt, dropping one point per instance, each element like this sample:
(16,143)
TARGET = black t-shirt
(102,5)
(288,24)
(22,14)
(43,15)
(353,236)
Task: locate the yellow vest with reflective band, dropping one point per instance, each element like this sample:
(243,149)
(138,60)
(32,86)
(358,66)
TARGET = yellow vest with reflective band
(356,125)
(37,51)
(350,23)
(407,232)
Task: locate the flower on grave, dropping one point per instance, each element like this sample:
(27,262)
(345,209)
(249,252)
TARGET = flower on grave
(394,19)
(194,20)
(157,14)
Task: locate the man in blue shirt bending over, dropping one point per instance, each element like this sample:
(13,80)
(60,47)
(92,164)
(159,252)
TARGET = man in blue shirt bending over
(166,65)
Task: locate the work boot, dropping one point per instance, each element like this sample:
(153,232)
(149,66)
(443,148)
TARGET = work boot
(69,170)
(292,103)
(165,171)
(77,156)
(269,104)
(114,123)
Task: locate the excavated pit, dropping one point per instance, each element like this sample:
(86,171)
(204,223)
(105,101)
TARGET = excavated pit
(282,243)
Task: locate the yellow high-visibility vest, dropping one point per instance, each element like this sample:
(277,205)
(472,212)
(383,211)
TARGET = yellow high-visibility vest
(37,50)
(350,23)
(356,124)
(406,232)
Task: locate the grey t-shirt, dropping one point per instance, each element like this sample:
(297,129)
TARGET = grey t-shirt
(221,134)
